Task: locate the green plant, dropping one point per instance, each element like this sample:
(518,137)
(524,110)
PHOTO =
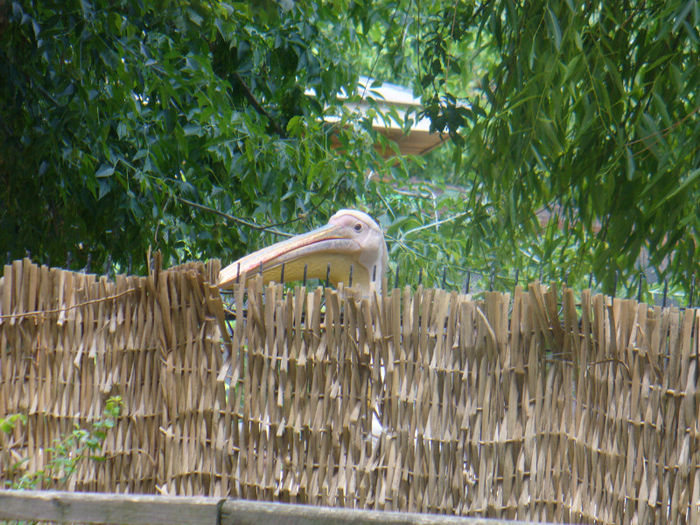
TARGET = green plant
(68,452)
(8,423)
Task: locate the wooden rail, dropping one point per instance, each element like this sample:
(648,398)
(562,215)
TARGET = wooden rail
(137,509)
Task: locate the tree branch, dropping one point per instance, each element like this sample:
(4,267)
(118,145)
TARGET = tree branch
(258,107)
(235,219)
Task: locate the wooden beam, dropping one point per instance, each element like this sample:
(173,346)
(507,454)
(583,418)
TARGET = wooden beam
(243,512)
(138,509)
(87,507)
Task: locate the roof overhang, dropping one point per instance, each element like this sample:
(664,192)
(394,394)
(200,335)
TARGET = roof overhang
(389,106)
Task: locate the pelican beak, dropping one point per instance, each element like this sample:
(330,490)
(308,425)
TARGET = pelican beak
(313,251)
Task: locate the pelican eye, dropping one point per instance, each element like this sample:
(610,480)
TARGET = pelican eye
(358,227)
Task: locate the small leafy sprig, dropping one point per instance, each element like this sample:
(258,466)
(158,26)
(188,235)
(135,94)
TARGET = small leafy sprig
(67,452)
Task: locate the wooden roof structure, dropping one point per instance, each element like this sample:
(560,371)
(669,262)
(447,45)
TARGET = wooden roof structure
(391,104)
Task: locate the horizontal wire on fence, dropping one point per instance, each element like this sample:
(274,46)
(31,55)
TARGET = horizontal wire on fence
(44,313)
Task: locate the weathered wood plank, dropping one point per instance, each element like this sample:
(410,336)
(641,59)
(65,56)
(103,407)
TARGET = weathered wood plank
(88,507)
(141,509)
(243,512)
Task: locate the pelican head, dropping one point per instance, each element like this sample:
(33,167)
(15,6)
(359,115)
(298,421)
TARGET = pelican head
(350,239)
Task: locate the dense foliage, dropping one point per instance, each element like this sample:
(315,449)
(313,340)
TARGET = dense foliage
(587,109)
(177,124)
(115,116)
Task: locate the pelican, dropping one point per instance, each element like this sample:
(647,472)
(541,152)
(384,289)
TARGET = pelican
(350,239)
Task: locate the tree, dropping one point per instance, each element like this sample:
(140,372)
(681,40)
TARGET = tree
(178,124)
(118,118)
(588,109)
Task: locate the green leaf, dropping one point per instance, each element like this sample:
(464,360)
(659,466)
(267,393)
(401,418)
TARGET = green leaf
(683,14)
(555,30)
(687,182)
(295,126)
(631,167)
(8,423)
(105,170)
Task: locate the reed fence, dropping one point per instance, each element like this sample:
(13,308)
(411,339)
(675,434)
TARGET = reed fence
(536,405)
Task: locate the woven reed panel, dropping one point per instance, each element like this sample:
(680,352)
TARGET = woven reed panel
(523,406)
